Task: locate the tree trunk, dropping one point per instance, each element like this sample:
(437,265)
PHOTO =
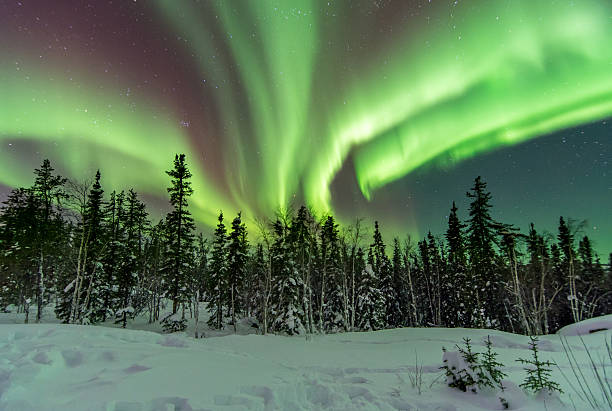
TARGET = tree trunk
(40,289)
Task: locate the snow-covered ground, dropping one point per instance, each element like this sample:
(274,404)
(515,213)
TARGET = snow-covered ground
(71,367)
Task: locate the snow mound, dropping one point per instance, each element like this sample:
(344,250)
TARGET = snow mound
(589,326)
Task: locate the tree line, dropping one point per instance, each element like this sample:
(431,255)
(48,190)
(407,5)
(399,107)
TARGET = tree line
(97,257)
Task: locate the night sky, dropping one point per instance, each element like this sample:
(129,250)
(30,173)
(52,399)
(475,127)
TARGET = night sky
(380,109)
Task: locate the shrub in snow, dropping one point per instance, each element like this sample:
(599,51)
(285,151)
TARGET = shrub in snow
(469,370)
(538,372)
(173,323)
(491,374)
(461,367)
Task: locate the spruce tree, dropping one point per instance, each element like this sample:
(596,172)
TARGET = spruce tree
(331,292)
(114,251)
(538,371)
(383,272)
(179,229)
(134,223)
(370,300)
(455,284)
(88,304)
(302,240)
(19,251)
(49,191)
(237,259)
(287,309)
(481,240)
(565,241)
(397,314)
(217,276)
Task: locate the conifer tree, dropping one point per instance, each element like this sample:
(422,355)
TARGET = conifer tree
(435,278)
(217,278)
(481,240)
(198,279)
(370,300)
(179,228)
(237,260)
(134,223)
(20,255)
(287,309)
(111,260)
(49,192)
(565,240)
(491,373)
(455,285)
(331,293)
(87,300)
(397,308)
(539,372)
(383,272)
(302,240)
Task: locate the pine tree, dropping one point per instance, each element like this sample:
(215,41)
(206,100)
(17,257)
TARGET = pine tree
(217,278)
(180,229)
(481,240)
(48,189)
(383,272)
(302,240)
(114,250)
(462,373)
(455,286)
(491,375)
(198,279)
(565,239)
(539,372)
(287,309)
(397,314)
(88,304)
(19,253)
(134,223)
(370,300)
(331,316)
(237,260)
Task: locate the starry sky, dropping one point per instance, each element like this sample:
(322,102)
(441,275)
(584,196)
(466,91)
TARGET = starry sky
(379,109)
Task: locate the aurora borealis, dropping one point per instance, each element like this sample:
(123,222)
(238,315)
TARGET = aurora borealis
(382,109)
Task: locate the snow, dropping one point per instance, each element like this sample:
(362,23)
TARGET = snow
(72,367)
(589,326)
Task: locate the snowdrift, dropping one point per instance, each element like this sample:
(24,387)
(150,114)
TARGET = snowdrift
(70,367)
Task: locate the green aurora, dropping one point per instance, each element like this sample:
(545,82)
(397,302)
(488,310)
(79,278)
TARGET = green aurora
(300,87)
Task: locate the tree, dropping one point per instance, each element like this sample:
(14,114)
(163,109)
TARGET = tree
(19,252)
(198,278)
(370,301)
(49,191)
(237,259)
(217,275)
(395,316)
(383,272)
(134,223)
(481,240)
(87,303)
(455,284)
(302,241)
(331,316)
(539,372)
(179,229)
(287,311)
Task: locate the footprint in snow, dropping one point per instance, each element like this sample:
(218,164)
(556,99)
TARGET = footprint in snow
(136,368)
